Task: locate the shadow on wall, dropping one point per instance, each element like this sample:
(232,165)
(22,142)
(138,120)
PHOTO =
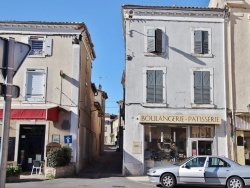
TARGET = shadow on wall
(131,165)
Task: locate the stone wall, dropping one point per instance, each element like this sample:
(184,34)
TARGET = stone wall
(60,172)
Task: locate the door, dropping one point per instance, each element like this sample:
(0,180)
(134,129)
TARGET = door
(193,171)
(201,147)
(217,170)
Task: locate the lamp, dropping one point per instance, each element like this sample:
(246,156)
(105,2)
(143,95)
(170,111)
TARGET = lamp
(248,107)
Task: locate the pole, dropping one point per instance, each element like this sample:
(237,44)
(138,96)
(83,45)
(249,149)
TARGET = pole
(6,110)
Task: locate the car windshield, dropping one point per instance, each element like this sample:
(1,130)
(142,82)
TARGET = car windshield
(182,162)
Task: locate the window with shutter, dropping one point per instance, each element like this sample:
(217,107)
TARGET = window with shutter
(154,86)
(202,87)
(154,40)
(201,42)
(35,85)
(40,46)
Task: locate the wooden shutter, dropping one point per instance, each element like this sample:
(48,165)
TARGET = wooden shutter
(158,40)
(151,40)
(205,42)
(158,86)
(202,87)
(150,86)
(206,87)
(48,46)
(198,42)
(197,87)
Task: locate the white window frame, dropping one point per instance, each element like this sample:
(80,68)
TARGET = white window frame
(211,105)
(164,50)
(209,30)
(47,45)
(144,74)
(35,99)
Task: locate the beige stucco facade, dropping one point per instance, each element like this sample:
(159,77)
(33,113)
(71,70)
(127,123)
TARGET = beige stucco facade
(238,98)
(57,76)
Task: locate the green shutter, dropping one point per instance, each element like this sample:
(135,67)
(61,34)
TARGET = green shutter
(198,42)
(158,40)
(206,87)
(202,87)
(205,42)
(150,86)
(197,87)
(158,86)
(151,40)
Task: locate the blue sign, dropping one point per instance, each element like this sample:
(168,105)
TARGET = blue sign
(68,139)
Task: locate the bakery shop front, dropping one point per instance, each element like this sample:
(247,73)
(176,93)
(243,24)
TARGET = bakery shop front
(172,138)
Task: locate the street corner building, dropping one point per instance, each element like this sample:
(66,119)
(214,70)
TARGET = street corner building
(58,105)
(176,106)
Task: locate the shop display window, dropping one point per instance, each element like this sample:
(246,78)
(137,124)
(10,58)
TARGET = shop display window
(164,144)
(204,131)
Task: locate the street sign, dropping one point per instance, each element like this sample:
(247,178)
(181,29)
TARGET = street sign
(68,139)
(15,90)
(21,51)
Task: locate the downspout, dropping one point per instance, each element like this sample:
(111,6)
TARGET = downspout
(231,85)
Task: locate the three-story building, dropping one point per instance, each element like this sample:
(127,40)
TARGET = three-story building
(175,99)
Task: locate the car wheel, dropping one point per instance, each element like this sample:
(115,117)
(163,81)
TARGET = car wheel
(234,182)
(168,180)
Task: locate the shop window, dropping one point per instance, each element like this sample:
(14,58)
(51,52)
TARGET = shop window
(202,131)
(165,144)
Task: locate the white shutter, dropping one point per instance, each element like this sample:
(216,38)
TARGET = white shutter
(35,85)
(47,46)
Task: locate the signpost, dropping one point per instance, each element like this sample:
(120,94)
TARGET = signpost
(12,55)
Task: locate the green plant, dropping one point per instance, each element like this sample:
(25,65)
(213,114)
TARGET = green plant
(112,136)
(50,176)
(13,171)
(59,156)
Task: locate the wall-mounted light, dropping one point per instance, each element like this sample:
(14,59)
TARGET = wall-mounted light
(248,107)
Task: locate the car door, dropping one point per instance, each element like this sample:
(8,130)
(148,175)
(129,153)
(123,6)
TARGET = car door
(217,171)
(193,170)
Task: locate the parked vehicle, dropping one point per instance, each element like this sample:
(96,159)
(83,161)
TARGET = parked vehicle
(203,170)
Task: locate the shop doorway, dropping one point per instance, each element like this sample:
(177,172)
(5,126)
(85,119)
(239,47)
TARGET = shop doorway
(201,147)
(31,145)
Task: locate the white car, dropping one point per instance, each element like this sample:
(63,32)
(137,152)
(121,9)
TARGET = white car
(202,170)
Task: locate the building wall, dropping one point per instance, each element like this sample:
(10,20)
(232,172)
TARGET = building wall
(178,63)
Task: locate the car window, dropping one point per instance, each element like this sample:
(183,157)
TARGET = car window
(197,162)
(217,162)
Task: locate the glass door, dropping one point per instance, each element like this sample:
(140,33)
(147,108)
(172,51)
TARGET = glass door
(201,147)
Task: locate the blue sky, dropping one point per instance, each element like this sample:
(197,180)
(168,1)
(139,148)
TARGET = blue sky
(104,22)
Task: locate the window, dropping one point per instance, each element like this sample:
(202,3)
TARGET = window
(217,162)
(35,85)
(197,162)
(40,46)
(202,91)
(154,41)
(201,42)
(154,85)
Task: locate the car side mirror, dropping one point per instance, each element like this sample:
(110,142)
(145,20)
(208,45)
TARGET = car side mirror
(187,166)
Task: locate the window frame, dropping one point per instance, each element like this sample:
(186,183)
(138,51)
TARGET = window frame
(164,71)
(193,104)
(35,99)
(47,45)
(146,53)
(209,30)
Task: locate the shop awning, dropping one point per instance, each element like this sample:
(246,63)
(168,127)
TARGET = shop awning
(50,114)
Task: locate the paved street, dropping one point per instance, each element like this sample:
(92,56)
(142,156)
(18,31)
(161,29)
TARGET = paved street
(106,172)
